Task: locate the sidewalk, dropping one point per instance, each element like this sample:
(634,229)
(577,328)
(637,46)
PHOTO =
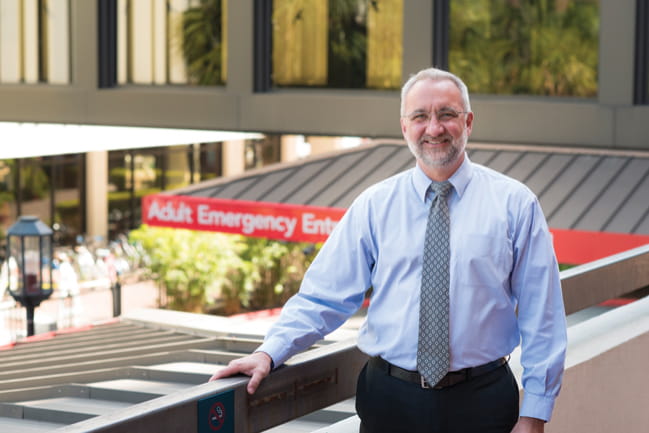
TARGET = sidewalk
(93,306)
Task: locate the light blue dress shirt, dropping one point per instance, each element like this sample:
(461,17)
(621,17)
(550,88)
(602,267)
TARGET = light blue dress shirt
(505,288)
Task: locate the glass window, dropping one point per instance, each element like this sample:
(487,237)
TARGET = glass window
(34,189)
(49,188)
(210,161)
(337,43)
(67,180)
(524,47)
(132,174)
(262,152)
(172,42)
(8,205)
(121,196)
(35,41)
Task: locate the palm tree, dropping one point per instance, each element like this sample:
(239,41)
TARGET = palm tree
(203,43)
(538,47)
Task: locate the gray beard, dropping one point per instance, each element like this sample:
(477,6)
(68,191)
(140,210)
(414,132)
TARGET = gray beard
(436,159)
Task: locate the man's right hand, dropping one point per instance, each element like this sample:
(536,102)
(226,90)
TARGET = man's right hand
(256,365)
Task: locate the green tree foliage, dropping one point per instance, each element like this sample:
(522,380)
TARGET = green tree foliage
(535,47)
(202,42)
(222,273)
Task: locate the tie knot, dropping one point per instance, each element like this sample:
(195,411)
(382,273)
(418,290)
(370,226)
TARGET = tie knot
(441,188)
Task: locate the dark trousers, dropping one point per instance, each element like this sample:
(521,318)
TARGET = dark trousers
(484,404)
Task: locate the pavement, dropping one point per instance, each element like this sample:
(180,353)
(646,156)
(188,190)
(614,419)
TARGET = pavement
(93,305)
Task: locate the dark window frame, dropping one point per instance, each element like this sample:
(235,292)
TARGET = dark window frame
(441,18)
(263,45)
(641,67)
(107,44)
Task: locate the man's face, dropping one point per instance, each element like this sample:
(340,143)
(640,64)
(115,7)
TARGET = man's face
(435,125)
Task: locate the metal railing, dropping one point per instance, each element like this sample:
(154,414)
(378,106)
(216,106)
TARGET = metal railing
(313,380)
(327,374)
(618,275)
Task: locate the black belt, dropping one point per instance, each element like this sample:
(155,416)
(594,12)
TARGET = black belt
(451,378)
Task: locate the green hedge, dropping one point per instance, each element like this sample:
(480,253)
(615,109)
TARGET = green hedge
(222,273)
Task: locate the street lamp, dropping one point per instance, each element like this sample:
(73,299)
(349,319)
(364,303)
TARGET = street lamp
(29,253)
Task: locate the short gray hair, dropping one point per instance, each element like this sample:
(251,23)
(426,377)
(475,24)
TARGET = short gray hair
(435,74)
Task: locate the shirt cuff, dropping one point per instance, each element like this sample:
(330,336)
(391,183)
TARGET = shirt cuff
(537,406)
(275,351)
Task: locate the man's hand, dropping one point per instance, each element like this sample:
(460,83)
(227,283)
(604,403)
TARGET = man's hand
(256,365)
(529,425)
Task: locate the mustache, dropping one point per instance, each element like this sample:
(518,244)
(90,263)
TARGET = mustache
(443,137)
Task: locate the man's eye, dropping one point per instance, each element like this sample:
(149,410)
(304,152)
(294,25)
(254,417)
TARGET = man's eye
(421,117)
(447,115)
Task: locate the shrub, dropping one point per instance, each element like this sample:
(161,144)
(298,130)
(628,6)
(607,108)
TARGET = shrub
(222,273)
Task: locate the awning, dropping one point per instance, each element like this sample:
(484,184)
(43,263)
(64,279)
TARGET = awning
(596,202)
(26,140)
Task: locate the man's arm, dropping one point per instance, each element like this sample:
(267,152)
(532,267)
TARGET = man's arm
(256,365)
(541,315)
(333,289)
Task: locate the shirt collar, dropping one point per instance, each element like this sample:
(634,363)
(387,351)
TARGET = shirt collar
(460,179)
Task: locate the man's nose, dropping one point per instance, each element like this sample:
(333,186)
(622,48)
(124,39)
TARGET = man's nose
(434,126)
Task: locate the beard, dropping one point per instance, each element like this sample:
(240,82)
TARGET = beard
(442,157)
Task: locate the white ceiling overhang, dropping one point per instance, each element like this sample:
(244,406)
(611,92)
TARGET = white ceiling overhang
(25,140)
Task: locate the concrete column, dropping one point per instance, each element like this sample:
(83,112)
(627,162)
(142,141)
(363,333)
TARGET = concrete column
(324,144)
(58,45)
(290,147)
(417,37)
(616,52)
(97,194)
(233,157)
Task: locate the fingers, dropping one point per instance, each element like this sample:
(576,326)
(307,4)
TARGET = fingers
(254,382)
(257,366)
(228,371)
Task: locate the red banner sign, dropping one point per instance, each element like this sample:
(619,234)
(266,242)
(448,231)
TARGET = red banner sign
(300,223)
(258,219)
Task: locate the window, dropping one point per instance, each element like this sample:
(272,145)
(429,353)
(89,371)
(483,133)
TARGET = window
(8,204)
(210,161)
(523,47)
(171,42)
(337,43)
(68,177)
(132,174)
(35,41)
(262,152)
(50,188)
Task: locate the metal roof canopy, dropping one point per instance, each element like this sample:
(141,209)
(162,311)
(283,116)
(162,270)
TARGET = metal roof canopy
(578,189)
(583,191)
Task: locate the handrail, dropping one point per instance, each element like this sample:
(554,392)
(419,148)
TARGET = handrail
(595,282)
(327,374)
(312,380)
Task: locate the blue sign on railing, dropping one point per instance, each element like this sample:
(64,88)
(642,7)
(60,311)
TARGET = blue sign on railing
(216,413)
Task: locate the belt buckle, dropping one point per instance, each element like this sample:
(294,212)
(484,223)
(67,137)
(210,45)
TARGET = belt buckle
(424,385)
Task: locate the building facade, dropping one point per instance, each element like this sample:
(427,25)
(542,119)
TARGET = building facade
(302,75)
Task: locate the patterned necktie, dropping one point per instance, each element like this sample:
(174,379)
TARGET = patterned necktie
(432,349)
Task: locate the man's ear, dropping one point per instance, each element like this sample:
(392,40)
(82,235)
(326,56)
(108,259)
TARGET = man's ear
(469,123)
(402,120)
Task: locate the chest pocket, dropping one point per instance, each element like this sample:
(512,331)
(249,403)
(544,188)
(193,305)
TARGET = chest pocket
(482,260)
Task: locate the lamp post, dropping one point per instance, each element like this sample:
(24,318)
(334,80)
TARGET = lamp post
(29,252)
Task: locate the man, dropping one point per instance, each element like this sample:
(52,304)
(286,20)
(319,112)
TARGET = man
(469,244)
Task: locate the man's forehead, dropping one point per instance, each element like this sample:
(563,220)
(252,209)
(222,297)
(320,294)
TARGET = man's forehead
(438,93)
